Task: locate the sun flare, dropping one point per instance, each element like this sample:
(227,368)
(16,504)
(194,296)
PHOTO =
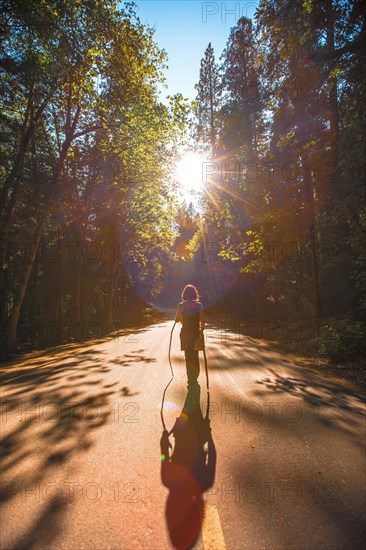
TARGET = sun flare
(190,174)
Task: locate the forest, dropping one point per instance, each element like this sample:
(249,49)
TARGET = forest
(93,236)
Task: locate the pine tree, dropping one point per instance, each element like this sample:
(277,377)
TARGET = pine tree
(208,101)
(240,86)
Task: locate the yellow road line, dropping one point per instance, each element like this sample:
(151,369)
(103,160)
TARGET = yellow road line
(212,535)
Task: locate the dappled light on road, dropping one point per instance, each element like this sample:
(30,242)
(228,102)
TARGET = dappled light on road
(80,448)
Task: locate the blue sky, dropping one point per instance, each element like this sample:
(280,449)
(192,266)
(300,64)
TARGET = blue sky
(184,29)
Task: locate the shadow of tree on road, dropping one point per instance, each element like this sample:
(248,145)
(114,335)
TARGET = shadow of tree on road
(300,458)
(333,401)
(315,390)
(46,528)
(50,412)
(241,358)
(128,360)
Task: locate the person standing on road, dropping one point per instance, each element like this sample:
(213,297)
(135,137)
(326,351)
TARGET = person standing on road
(190,314)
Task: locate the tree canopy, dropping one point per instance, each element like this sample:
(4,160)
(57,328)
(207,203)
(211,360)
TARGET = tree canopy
(91,232)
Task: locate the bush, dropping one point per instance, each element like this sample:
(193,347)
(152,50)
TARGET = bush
(148,314)
(342,339)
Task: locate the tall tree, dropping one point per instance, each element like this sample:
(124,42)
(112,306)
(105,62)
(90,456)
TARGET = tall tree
(241,87)
(208,102)
(96,165)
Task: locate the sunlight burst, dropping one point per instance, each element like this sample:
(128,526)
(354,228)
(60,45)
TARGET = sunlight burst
(190,174)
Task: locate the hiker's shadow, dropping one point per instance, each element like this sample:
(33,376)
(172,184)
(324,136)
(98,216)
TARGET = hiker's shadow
(187,470)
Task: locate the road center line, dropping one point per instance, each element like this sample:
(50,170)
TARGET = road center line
(212,535)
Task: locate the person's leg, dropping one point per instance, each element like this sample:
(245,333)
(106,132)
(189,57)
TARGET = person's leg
(192,365)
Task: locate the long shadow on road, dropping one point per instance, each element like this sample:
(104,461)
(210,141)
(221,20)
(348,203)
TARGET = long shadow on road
(187,470)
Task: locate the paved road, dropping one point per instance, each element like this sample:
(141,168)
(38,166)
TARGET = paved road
(80,444)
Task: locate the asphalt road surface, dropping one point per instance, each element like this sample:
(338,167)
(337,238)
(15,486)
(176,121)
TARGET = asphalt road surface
(80,446)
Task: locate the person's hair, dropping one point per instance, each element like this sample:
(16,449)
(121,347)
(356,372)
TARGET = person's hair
(190,293)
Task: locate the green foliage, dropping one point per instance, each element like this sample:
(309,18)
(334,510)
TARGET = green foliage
(293,228)
(342,339)
(208,102)
(90,150)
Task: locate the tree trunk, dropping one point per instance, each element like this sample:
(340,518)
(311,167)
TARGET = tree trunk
(312,236)
(12,322)
(212,129)
(33,303)
(255,296)
(14,315)
(111,279)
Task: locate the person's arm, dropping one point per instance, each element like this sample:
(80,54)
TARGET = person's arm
(178,315)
